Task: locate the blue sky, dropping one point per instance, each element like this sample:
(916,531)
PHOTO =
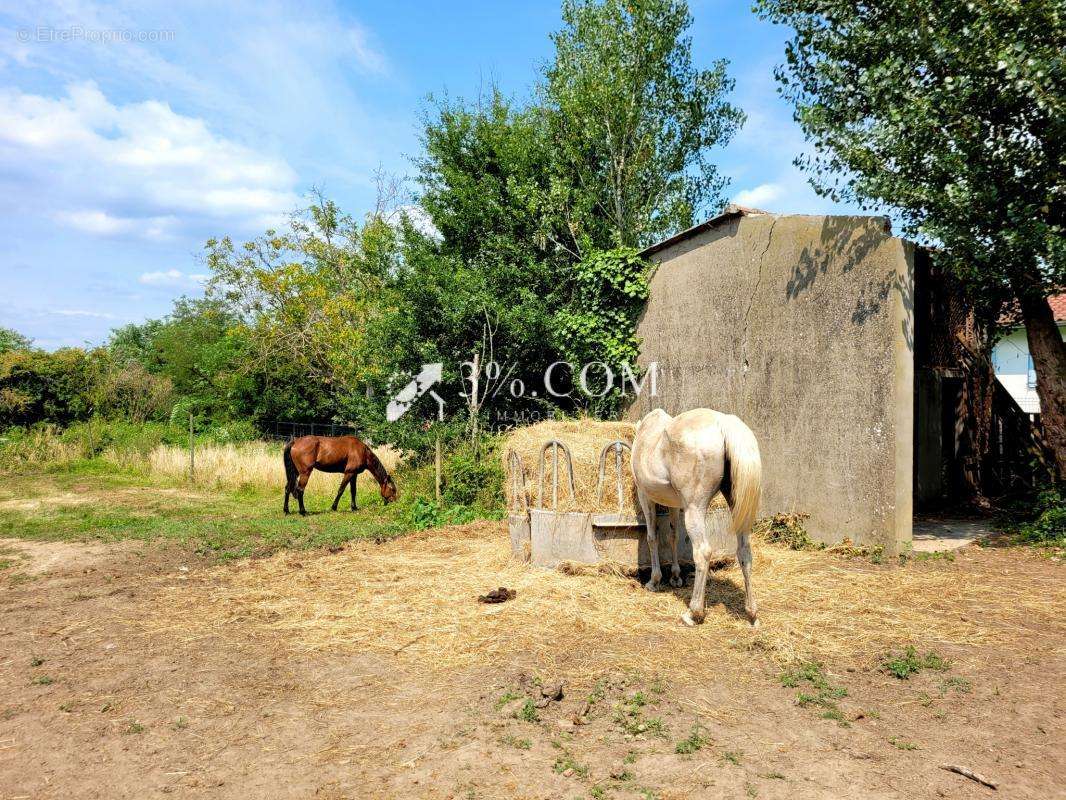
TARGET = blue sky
(132,132)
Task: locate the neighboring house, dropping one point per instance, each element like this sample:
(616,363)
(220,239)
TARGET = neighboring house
(1014,365)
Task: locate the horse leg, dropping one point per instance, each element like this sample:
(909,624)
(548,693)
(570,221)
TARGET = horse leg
(648,507)
(675,570)
(744,557)
(288,490)
(696,526)
(355,480)
(340,492)
(301,484)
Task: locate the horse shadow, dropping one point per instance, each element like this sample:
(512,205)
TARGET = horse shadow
(720,590)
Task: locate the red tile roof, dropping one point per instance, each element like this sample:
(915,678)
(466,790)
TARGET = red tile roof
(1058,305)
(1012,316)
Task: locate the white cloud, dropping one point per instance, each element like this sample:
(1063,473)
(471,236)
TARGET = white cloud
(137,169)
(172,277)
(762,195)
(419,219)
(78,312)
(98,222)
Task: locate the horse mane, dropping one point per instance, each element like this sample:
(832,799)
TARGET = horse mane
(377,469)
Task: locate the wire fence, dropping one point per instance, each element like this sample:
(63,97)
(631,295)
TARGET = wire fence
(283,431)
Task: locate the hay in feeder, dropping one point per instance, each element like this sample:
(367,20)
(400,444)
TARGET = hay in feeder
(585,439)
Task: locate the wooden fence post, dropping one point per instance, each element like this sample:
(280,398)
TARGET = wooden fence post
(436,462)
(192,454)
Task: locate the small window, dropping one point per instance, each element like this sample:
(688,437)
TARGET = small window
(1031,381)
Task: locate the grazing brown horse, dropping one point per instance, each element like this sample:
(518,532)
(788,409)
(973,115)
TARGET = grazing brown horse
(332,454)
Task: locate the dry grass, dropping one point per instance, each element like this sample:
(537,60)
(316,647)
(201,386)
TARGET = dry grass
(585,438)
(35,447)
(231,466)
(252,464)
(414,600)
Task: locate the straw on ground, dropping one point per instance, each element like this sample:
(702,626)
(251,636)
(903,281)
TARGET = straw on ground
(415,599)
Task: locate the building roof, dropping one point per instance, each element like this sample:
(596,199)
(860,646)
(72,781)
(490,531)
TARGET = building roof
(731,211)
(1012,316)
(1058,306)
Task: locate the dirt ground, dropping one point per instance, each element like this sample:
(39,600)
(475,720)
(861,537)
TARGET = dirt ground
(138,670)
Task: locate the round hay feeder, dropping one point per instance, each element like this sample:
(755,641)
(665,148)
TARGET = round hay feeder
(563,526)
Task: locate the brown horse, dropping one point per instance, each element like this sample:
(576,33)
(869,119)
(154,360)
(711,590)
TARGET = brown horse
(345,454)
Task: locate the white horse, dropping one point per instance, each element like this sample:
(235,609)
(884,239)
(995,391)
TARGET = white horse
(682,462)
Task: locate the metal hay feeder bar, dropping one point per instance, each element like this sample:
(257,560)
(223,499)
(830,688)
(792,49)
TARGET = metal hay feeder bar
(546,536)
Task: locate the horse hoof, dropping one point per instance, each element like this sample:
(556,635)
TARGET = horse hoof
(677,582)
(691,619)
(754,622)
(652,586)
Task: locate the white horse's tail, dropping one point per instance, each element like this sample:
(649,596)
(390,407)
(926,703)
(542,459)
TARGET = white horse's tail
(745,471)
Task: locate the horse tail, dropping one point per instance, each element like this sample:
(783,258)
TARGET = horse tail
(745,471)
(290,467)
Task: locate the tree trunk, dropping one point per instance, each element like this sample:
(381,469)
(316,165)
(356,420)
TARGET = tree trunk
(1049,360)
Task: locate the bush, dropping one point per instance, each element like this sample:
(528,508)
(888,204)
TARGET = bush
(121,439)
(235,432)
(1048,527)
(473,476)
(36,386)
(425,513)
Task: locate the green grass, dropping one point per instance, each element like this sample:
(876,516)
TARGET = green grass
(824,695)
(908,663)
(961,685)
(734,757)
(629,716)
(528,712)
(93,500)
(567,762)
(900,744)
(693,743)
(516,742)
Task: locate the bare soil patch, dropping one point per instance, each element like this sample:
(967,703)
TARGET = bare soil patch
(374,672)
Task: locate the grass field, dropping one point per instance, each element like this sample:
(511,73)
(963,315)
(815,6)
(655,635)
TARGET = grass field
(95,500)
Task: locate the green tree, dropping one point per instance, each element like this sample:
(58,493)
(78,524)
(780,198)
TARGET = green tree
(953,115)
(613,150)
(36,386)
(11,339)
(490,285)
(633,122)
(315,305)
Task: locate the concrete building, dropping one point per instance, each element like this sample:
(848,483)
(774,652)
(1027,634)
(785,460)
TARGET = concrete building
(805,327)
(1014,365)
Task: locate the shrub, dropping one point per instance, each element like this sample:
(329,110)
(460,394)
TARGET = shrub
(1048,527)
(473,476)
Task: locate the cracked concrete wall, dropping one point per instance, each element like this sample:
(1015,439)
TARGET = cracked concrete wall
(803,327)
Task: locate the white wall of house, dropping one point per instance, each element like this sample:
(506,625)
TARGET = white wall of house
(1014,368)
